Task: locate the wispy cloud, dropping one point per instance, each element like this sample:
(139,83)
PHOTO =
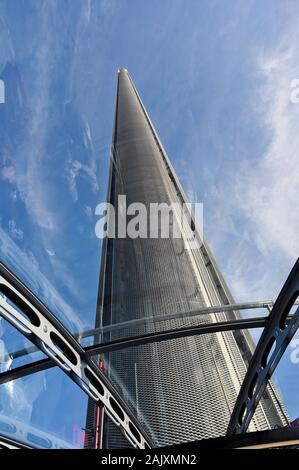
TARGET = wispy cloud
(270,196)
(7,52)
(14,231)
(50,148)
(29,176)
(253,206)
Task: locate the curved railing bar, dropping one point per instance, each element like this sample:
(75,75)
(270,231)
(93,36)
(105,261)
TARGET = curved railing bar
(265,304)
(123,343)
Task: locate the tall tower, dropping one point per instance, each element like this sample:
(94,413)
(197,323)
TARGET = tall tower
(182,389)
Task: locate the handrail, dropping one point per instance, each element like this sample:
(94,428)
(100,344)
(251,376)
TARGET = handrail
(148,338)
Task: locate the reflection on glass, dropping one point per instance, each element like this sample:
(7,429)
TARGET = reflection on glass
(45,410)
(15,349)
(286,378)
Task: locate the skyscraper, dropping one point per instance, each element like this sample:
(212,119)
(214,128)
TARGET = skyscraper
(182,389)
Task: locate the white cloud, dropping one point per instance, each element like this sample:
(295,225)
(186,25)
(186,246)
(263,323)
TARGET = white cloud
(270,189)
(7,52)
(29,176)
(51,253)
(32,172)
(14,231)
(75,169)
(257,219)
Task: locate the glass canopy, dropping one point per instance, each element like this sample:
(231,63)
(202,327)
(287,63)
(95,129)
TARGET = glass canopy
(55,133)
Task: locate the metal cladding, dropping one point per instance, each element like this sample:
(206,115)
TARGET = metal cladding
(182,389)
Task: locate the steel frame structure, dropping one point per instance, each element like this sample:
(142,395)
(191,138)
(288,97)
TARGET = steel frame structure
(227,308)
(273,342)
(26,313)
(30,317)
(148,338)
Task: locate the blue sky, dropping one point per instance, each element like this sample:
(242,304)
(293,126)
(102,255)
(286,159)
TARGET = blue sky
(215,77)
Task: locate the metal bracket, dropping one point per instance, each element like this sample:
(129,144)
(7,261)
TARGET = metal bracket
(273,342)
(29,316)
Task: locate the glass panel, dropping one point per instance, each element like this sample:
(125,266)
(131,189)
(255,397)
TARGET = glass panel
(49,170)
(55,136)
(284,388)
(184,374)
(165,322)
(15,349)
(286,379)
(45,410)
(168,321)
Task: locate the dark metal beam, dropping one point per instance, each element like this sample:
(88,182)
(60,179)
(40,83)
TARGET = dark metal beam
(175,334)
(265,304)
(123,343)
(139,322)
(26,369)
(273,342)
